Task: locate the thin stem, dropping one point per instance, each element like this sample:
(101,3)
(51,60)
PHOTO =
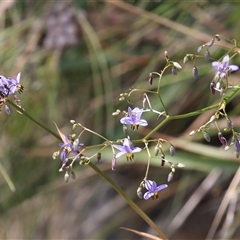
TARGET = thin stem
(129,201)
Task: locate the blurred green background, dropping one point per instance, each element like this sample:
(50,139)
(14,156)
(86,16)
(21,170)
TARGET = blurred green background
(76,57)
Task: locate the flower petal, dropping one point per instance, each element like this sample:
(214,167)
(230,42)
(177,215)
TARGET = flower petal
(161,187)
(147,195)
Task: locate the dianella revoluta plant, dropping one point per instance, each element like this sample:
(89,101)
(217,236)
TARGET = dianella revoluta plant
(72,148)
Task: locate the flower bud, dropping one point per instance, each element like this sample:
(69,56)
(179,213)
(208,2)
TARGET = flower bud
(192,133)
(222,139)
(174,71)
(199,49)
(156,150)
(212,88)
(177,65)
(150,78)
(170,176)
(76,144)
(139,192)
(99,156)
(206,136)
(195,72)
(66,177)
(207,55)
(166,55)
(73,176)
(125,130)
(180,165)
(114,163)
(229,123)
(172,150)
(7,109)
(211,42)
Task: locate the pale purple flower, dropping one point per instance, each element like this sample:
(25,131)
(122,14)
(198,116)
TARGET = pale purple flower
(134,118)
(153,189)
(128,149)
(223,67)
(14,85)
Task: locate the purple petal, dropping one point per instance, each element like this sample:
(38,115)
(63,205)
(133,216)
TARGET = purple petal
(233,67)
(136,149)
(147,195)
(225,59)
(119,147)
(215,65)
(161,187)
(119,154)
(142,122)
(148,184)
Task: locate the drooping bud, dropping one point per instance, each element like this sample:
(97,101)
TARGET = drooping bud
(211,42)
(99,156)
(125,130)
(170,176)
(217,37)
(76,144)
(172,150)
(144,101)
(174,71)
(66,176)
(222,139)
(229,123)
(114,163)
(212,88)
(7,109)
(55,155)
(150,78)
(177,65)
(139,192)
(180,165)
(206,136)
(199,49)
(73,176)
(156,150)
(195,72)
(207,55)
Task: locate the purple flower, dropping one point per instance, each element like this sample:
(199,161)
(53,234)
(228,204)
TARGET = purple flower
(153,189)
(14,85)
(128,149)
(223,67)
(134,118)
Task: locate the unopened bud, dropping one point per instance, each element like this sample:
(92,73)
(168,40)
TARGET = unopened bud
(156,150)
(177,65)
(174,71)
(180,165)
(195,72)
(114,163)
(206,136)
(66,177)
(150,78)
(99,156)
(170,176)
(139,192)
(192,133)
(121,99)
(55,155)
(199,49)
(229,123)
(125,130)
(207,55)
(212,88)
(166,54)
(73,176)
(76,144)
(172,150)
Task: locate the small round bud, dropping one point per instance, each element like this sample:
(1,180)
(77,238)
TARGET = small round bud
(185,59)
(180,165)
(72,121)
(55,155)
(217,37)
